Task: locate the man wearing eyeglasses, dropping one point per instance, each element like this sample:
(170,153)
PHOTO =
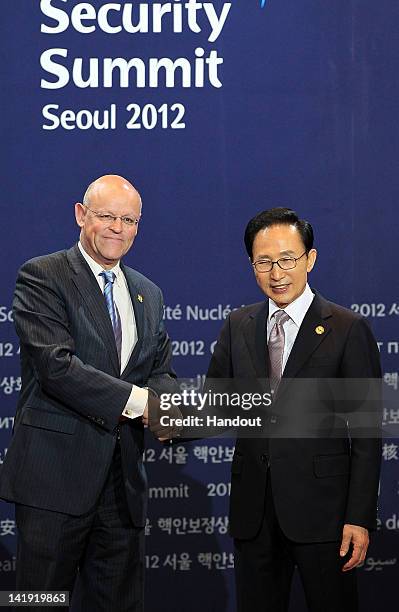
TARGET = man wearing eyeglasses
(92,345)
(306,493)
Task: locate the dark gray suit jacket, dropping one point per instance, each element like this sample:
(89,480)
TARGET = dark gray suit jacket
(322,452)
(72,391)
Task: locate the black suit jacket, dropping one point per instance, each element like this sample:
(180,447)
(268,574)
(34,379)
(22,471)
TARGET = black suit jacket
(72,391)
(323,467)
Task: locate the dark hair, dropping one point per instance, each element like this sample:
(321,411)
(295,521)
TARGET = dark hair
(277,216)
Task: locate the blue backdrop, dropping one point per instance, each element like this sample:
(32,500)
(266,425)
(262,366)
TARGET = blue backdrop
(214,111)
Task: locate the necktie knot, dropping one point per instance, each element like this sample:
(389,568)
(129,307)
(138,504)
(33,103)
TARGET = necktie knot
(108,276)
(280,317)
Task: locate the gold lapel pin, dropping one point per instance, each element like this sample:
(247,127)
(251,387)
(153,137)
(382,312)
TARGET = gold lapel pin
(139,297)
(319,330)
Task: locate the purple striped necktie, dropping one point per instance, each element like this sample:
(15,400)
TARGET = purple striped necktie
(109,278)
(276,348)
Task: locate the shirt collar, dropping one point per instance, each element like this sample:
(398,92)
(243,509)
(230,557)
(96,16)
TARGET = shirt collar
(96,268)
(297,309)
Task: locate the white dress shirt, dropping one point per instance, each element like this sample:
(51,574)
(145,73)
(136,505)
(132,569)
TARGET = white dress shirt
(138,398)
(296,311)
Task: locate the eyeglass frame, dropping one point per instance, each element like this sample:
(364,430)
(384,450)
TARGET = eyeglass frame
(113,217)
(295,259)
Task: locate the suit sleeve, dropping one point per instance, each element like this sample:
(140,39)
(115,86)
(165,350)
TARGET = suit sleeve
(361,364)
(162,378)
(220,365)
(42,324)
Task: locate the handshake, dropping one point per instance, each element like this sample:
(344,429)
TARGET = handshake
(152,417)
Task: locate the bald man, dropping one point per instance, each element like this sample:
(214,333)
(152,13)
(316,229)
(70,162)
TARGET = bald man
(92,344)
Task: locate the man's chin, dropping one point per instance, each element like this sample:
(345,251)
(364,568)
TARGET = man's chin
(281,298)
(111,258)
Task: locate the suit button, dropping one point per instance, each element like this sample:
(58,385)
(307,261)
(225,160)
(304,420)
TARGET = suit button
(273,419)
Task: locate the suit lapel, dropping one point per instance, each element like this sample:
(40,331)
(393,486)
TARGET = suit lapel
(90,291)
(138,307)
(313,331)
(256,341)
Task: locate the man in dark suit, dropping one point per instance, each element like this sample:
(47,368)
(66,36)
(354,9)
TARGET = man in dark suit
(92,344)
(305,493)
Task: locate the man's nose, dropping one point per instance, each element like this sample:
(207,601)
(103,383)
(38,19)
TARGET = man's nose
(276,273)
(117,225)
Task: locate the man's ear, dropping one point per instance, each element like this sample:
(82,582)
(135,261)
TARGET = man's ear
(312,256)
(79,214)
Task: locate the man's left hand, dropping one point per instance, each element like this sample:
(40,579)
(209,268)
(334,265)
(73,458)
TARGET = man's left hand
(359,538)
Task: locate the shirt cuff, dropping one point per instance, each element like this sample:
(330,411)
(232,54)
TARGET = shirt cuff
(136,403)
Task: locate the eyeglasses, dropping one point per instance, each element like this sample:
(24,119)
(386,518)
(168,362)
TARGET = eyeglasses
(109,219)
(285,263)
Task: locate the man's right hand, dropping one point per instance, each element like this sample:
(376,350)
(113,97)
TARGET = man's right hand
(152,418)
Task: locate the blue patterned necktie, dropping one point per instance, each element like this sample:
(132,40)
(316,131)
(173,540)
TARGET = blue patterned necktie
(109,278)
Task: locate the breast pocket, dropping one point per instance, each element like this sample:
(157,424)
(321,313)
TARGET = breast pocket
(322,361)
